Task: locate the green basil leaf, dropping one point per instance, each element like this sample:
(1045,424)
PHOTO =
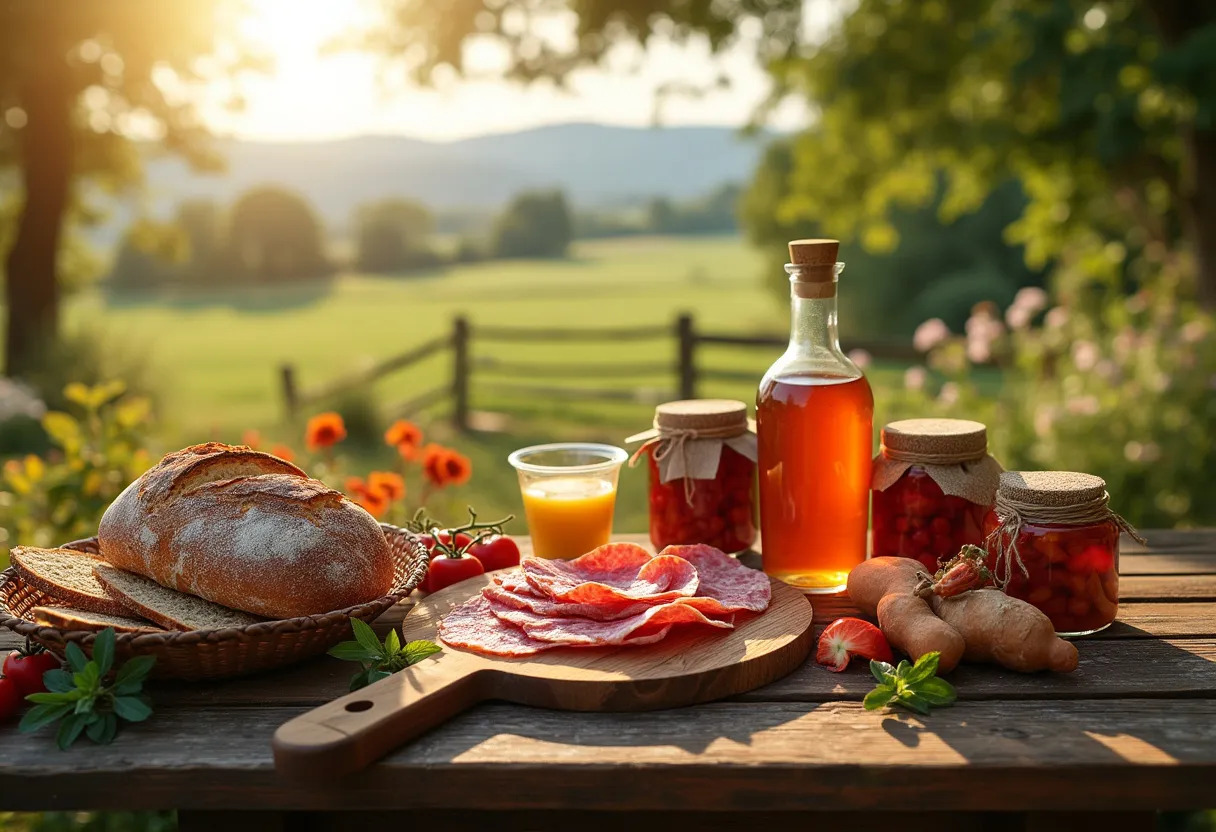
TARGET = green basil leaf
(76,657)
(89,678)
(103,651)
(375,675)
(51,698)
(882,671)
(878,697)
(132,708)
(134,671)
(109,729)
(70,730)
(416,651)
(42,715)
(96,729)
(359,680)
(366,636)
(392,643)
(84,705)
(936,691)
(353,651)
(910,700)
(902,668)
(925,667)
(57,681)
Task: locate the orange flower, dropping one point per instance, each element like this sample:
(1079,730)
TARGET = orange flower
(409,452)
(354,486)
(457,468)
(402,432)
(252,438)
(388,484)
(433,464)
(373,503)
(283,452)
(324,430)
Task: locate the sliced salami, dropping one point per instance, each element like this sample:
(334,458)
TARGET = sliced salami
(526,598)
(474,626)
(726,585)
(615,573)
(643,628)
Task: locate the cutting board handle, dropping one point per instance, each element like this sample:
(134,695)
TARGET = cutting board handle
(351,733)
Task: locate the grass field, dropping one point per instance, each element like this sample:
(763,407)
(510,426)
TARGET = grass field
(215,356)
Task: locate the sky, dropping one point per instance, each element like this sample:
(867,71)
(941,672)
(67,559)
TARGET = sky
(313,95)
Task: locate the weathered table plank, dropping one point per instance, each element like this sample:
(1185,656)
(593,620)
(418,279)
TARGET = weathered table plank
(782,756)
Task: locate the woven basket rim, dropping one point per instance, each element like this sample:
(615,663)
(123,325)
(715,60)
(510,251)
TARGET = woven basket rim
(415,571)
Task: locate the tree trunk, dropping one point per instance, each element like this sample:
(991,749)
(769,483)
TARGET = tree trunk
(45,157)
(1177,21)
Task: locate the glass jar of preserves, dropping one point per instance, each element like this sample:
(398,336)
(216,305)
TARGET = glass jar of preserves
(1053,541)
(934,483)
(702,460)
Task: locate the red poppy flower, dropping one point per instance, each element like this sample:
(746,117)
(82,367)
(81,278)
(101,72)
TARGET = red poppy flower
(402,432)
(434,465)
(283,452)
(388,484)
(457,468)
(354,486)
(325,430)
(373,502)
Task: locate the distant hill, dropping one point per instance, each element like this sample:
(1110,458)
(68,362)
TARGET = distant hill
(596,164)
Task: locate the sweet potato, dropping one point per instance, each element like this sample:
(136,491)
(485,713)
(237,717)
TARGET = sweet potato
(1007,631)
(883,587)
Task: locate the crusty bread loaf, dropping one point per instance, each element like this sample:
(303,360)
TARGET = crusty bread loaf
(169,608)
(66,618)
(249,531)
(67,575)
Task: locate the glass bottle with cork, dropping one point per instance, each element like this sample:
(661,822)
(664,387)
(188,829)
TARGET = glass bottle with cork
(815,423)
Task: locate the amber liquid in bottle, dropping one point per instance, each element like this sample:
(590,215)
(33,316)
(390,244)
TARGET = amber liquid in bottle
(814,420)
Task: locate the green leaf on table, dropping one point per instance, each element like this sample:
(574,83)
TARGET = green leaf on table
(913,686)
(134,672)
(352,651)
(103,730)
(925,667)
(878,697)
(103,651)
(70,730)
(132,708)
(379,660)
(76,657)
(937,691)
(416,651)
(392,643)
(366,636)
(882,671)
(42,715)
(57,681)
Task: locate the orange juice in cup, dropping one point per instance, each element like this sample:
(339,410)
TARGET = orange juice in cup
(569,492)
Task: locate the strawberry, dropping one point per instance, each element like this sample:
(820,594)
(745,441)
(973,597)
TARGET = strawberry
(963,572)
(845,638)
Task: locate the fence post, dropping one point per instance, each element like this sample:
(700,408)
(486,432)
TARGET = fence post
(686,367)
(291,396)
(460,373)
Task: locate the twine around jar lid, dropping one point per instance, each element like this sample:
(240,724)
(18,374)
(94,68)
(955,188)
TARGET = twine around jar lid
(935,441)
(687,438)
(1065,498)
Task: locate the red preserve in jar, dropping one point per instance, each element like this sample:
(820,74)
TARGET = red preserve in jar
(702,460)
(1054,542)
(933,484)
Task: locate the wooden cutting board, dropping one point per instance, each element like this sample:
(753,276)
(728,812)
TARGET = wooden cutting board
(691,665)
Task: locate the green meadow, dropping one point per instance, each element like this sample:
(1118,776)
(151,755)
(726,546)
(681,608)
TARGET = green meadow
(214,356)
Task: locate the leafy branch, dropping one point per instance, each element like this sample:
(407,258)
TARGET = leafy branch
(379,660)
(914,686)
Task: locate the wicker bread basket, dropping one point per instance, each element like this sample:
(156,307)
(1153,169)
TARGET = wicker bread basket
(219,654)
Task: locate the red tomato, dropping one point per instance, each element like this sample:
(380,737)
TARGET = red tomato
(845,638)
(445,537)
(445,571)
(497,552)
(25,669)
(10,699)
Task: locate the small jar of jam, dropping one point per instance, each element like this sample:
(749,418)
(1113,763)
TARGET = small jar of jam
(702,459)
(1054,542)
(934,484)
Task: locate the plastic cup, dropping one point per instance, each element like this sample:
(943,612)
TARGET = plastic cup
(569,494)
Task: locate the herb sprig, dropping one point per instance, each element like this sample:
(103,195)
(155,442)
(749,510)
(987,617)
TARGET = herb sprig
(85,700)
(914,686)
(379,660)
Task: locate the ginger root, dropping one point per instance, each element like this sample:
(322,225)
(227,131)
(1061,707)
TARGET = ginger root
(883,587)
(1007,631)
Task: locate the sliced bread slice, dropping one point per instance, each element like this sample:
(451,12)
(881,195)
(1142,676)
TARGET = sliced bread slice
(69,619)
(67,575)
(167,607)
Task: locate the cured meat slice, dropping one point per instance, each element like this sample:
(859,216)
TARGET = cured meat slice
(526,598)
(645,627)
(474,626)
(615,573)
(726,585)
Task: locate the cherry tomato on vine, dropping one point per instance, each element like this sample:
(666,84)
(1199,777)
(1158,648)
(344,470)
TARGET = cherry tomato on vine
(496,552)
(446,570)
(10,699)
(25,669)
(445,537)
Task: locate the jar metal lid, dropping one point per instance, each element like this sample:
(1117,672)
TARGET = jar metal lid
(960,438)
(1058,489)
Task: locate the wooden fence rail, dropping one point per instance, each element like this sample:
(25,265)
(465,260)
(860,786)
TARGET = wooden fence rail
(686,370)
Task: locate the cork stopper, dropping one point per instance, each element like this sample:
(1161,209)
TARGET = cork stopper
(1057,489)
(814,253)
(954,438)
(718,416)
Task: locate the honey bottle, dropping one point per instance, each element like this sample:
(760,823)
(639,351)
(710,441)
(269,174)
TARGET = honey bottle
(814,422)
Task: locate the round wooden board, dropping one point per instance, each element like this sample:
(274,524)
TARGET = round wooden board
(691,665)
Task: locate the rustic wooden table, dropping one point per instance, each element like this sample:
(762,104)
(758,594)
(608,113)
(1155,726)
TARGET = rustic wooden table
(1132,730)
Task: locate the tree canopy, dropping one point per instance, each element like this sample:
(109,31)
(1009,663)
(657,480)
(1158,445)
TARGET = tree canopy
(535,224)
